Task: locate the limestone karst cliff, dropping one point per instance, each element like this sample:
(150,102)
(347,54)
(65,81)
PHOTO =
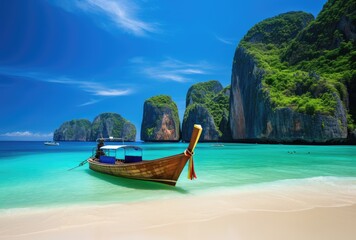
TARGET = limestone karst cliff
(160,120)
(273,100)
(74,130)
(104,125)
(114,125)
(207,104)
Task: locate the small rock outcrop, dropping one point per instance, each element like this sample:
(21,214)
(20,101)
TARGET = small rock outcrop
(112,125)
(75,130)
(160,121)
(207,104)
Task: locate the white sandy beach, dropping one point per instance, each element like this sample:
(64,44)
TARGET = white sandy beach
(319,211)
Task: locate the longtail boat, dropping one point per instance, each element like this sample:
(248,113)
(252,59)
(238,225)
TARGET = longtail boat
(51,143)
(163,170)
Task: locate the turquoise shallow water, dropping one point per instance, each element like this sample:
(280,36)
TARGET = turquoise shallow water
(33,175)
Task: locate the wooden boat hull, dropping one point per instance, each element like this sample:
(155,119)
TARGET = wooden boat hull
(164,170)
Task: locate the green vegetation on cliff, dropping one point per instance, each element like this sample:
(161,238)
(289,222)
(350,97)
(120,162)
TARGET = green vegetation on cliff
(218,105)
(213,97)
(333,27)
(307,64)
(203,92)
(303,91)
(163,101)
(112,124)
(160,120)
(104,125)
(327,46)
(74,130)
(278,30)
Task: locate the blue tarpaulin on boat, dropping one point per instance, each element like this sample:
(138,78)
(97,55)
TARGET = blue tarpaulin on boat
(132,159)
(107,159)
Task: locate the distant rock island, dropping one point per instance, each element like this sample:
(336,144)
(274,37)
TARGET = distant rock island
(74,130)
(104,125)
(112,124)
(293,81)
(160,120)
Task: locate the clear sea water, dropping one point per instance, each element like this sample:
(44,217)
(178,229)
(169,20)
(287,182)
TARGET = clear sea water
(35,175)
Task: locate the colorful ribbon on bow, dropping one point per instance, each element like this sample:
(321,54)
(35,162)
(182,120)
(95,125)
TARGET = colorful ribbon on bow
(191,172)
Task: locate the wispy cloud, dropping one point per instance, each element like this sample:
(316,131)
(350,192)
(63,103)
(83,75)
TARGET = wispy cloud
(94,88)
(225,41)
(27,134)
(113,92)
(91,102)
(122,14)
(171,69)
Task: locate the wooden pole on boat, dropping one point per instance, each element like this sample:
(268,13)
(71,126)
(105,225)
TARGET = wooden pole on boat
(190,151)
(195,137)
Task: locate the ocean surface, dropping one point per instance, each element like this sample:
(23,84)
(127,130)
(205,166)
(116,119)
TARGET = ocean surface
(35,175)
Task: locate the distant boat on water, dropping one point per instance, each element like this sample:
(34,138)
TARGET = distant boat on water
(52,143)
(163,170)
(217,145)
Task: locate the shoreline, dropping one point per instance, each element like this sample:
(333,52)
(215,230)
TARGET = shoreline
(286,211)
(297,142)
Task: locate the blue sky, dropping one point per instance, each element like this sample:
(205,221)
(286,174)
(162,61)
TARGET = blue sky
(71,59)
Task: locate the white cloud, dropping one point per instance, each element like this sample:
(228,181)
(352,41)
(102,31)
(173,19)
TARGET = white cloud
(113,92)
(164,74)
(94,88)
(171,69)
(93,101)
(27,134)
(123,14)
(191,71)
(225,41)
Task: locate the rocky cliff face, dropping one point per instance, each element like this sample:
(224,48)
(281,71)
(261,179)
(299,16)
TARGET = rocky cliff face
(327,46)
(287,125)
(207,104)
(160,120)
(112,125)
(75,130)
(254,116)
(248,102)
(104,125)
(199,114)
